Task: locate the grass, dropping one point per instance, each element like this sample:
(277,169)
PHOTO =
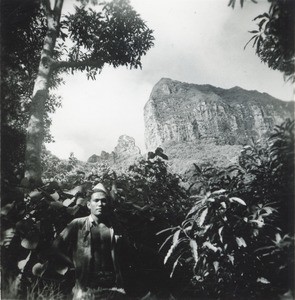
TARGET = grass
(39,290)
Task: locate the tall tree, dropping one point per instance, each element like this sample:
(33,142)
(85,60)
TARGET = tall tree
(114,34)
(22,32)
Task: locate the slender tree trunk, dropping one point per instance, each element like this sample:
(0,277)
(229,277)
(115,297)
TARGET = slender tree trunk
(35,130)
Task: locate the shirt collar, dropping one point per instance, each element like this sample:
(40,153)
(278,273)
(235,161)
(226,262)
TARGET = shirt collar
(92,222)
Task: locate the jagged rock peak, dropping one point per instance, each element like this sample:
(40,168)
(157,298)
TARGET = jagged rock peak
(126,152)
(182,112)
(126,144)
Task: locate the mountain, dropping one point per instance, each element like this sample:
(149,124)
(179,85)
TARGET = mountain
(203,123)
(125,154)
(126,150)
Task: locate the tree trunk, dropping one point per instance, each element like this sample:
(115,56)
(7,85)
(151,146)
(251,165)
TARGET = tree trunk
(35,129)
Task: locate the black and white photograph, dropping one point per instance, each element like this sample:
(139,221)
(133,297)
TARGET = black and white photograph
(147,149)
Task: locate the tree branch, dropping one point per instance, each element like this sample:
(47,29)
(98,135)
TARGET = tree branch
(77,64)
(58,7)
(47,7)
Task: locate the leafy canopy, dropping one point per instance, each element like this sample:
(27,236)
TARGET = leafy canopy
(108,33)
(111,34)
(22,32)
(274,40)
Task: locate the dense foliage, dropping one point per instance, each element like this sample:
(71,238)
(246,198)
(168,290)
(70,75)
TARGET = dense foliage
(232,230)
(145,200)
(113,34)
(22,33)
(39,44)
(232,238)
(274,40)
(237,241)
(23,28)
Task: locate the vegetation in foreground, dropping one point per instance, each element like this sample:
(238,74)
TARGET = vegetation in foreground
(229,235)
(231,226)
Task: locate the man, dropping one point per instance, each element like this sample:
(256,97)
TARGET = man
(90,243)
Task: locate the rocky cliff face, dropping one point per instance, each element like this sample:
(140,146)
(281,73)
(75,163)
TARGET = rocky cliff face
(200,124)
(181,112)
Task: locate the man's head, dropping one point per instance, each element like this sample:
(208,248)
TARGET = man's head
(97,203)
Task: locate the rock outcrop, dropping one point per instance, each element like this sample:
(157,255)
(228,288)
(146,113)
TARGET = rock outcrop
(205,124)
(93,158)
(182,112)
(200,124)
(103,157)
(126,149)
(125,153)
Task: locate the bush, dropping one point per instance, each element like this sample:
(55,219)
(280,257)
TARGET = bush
(237,241)
(231,233)
(145,200)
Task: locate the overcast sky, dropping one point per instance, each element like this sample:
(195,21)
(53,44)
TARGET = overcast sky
(196,41)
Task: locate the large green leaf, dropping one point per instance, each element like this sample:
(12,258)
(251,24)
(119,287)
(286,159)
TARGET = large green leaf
(241,242)
(210,246)
(7,236)
(39,269)
(236,199)
(36,195)
(74,191)
(5,210)
(22,264)
(62,270)
(194,250)
(203,216)
(30,242)
(69,201)
(175,264)
(175,242)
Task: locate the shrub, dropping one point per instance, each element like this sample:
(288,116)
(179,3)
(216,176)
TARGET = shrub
(237,240)
(145,200)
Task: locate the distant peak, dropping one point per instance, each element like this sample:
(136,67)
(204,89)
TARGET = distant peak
(236,88)
(164,80)
(126,138)
(163,85)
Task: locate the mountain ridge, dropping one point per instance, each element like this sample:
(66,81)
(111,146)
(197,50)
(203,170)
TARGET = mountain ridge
(178,111)
(200,124)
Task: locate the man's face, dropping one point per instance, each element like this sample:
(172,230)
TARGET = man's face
(97,204)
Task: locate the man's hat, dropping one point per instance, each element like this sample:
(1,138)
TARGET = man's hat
(100,187)
(99,192)
(99,195)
